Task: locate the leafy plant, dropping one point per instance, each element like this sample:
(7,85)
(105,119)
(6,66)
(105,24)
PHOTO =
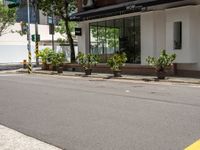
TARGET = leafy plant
(44,54)
(117,61)
(7,18)
(87,60)
(56,58)
(162,62)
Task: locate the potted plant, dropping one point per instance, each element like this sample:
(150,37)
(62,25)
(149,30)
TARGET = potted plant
(116,62)
(57,59)
(87,61)
(43,54)
(161,63)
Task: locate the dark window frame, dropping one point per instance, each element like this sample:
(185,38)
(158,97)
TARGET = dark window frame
(177,31)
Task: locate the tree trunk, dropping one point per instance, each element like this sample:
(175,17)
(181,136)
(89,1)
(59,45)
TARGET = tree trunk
(71,41)
(69,35)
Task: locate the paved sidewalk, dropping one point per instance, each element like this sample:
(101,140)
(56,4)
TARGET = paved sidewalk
(110,76)
(13,140)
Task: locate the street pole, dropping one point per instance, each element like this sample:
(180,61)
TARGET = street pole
(29,39)
(36,33)
(52,16)
(53,44)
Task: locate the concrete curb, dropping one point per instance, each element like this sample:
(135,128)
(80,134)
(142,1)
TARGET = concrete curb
(147,79)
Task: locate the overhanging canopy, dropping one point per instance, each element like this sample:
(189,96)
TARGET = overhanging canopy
(117,9)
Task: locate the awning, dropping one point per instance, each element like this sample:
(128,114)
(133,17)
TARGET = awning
(117,9)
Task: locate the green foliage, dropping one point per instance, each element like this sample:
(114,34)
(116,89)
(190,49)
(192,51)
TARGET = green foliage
(44,54)
(61,8)
(109,35)
(117,61)
(87,60)
(7,18)
(162,62)
(56,58)
(50,56)
(62,30)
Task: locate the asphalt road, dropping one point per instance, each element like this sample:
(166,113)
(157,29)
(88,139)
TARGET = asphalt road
(89,114)
(4,67)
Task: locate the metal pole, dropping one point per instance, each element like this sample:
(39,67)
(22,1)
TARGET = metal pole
(53,44)
(36,33)
(29,39)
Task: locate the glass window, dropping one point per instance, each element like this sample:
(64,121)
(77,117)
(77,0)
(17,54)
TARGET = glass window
(177,35)
(93,38)
(108,37)
(101,37)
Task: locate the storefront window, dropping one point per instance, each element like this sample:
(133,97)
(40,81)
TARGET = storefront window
(93,38)
(108,37)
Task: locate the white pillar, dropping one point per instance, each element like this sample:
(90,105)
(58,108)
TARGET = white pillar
(84,39)
(147,36)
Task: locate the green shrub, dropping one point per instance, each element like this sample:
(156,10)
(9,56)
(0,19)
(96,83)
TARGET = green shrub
(56,58)
(117,61)
(162,62)
(44,54)
(87,61)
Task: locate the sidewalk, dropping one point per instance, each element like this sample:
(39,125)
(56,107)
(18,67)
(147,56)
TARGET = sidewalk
(124,77)
(13,140)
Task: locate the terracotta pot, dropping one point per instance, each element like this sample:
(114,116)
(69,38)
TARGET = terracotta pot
(117,73)
(60,69)
(88,71)
(52,68)
(45,66)
(161,74)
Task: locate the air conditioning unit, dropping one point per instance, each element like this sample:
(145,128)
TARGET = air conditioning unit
(87,3)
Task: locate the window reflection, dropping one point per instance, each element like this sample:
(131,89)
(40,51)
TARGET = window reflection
(108,37)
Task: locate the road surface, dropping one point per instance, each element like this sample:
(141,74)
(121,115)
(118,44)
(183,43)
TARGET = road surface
(92,114)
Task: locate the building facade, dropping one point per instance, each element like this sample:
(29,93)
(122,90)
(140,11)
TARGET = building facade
(13,46)
(141,28)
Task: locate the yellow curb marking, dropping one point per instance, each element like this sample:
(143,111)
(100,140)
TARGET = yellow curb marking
(195,146)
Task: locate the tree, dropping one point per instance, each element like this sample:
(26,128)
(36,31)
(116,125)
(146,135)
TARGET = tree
(62,30)
(61,9)
(7,18)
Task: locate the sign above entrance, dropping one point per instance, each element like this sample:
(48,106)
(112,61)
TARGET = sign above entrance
(78,31)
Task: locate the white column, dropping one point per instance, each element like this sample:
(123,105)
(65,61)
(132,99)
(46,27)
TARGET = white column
(147,36)
(84,39)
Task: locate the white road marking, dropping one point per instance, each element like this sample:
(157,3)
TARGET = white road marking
(195,86)
(127,91)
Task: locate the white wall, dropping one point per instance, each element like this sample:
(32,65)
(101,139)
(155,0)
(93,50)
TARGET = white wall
(187,15)
(152,34)
(160,32)
(84,39)
(157,33)
(195,39)
(13,47)
(147,36)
